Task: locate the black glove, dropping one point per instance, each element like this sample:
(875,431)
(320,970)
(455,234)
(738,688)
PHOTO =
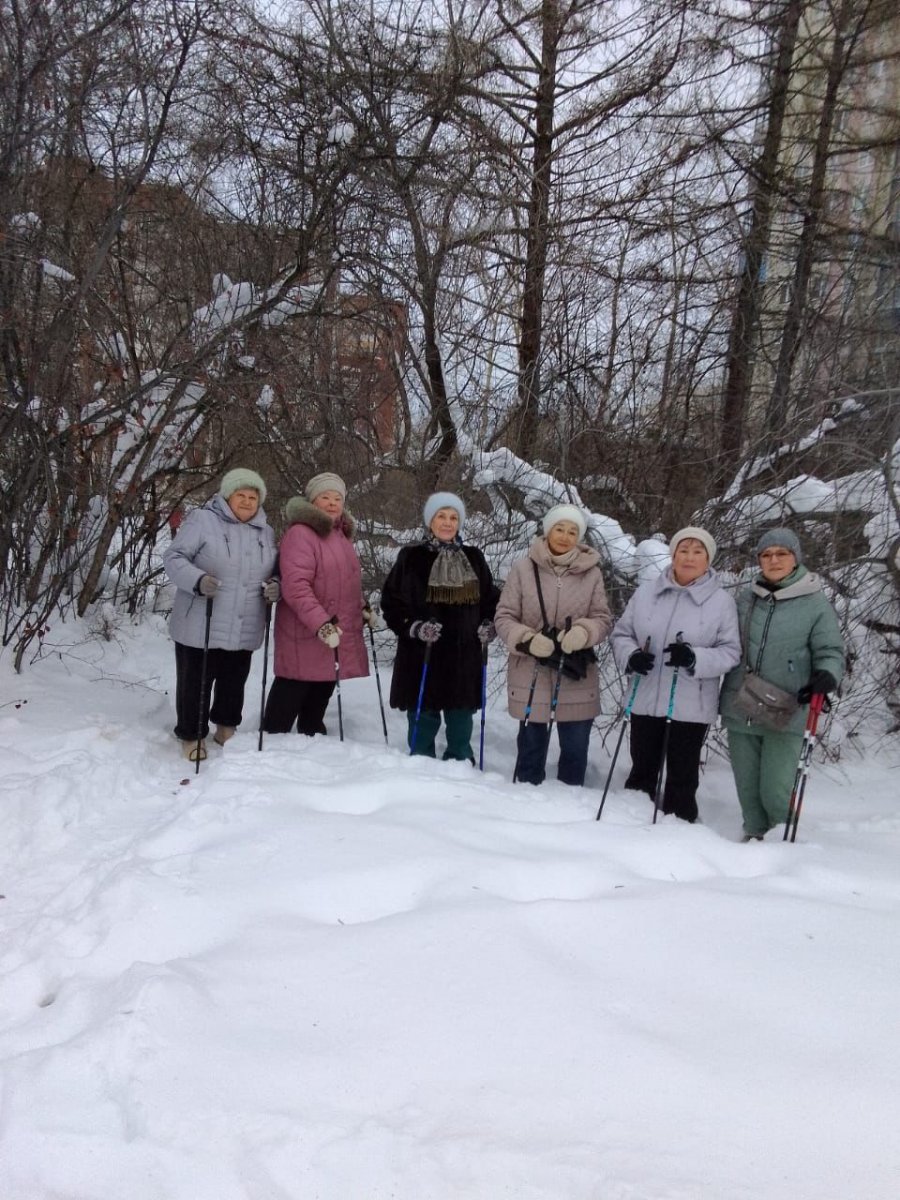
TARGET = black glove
(680,654)
(820,684)
(641,662)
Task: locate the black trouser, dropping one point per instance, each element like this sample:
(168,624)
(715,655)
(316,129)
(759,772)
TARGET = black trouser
(227,670)
(682,762)
(300,700)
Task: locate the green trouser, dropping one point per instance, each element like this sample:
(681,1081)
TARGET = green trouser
(764,763)
(458,722)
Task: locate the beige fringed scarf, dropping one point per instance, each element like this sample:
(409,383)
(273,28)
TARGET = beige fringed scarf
(452,580)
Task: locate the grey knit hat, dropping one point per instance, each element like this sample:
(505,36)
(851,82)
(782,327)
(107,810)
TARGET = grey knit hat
(780,537)
(327,481)
(242,477)
(700,535)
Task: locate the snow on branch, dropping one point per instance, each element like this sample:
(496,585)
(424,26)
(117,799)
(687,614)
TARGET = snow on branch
(492,470)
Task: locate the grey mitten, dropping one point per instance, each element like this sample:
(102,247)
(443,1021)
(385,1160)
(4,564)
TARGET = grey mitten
(208,585)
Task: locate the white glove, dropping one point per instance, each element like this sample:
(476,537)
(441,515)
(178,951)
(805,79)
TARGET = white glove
(573,639)
(541,646)
(330,634)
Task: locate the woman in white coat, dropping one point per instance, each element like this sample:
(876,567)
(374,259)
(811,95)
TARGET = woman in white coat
(685,615)
(223,552)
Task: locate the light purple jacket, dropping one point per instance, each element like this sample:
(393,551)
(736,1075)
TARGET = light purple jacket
(705,615)
(241,555)
(320,579)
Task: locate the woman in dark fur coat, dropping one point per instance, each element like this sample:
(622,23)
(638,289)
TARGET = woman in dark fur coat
(440,594)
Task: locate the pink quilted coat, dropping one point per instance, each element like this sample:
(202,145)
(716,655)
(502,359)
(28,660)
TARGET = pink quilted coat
(320,579)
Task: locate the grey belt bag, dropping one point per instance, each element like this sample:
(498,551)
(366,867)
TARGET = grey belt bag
(764,703)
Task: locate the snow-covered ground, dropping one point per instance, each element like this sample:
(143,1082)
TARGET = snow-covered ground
(331,972)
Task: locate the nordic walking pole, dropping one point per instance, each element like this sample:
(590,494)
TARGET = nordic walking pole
(816,704)
(554,697)
(337,680)
(665,745)
(626,721)
(529,703)
(262,703)
(415,732)
(209,606)
(378,683)
(484,666)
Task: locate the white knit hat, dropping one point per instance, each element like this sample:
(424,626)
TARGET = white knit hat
(327,481)
(443,500)
(242,477)
(566,512)
(694,531)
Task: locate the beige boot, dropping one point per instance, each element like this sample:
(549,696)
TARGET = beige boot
(192,752)
(223,734)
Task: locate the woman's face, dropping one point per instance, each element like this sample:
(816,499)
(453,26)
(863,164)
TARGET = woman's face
(562,536)
(689,561)
(776,563)
(244,503)
(445,524)
(330,502)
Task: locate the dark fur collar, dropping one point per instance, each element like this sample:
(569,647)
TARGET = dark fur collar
(299,511)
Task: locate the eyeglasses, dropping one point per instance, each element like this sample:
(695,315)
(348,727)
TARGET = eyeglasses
(767,554)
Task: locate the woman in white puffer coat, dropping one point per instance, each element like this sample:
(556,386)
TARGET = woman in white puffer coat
(223,552)
(686,615)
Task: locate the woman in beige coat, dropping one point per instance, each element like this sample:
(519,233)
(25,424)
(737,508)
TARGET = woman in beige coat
(552,612)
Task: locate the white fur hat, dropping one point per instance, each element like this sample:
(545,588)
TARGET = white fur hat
(700,535)
(566,512)
(443,500)
(242,477)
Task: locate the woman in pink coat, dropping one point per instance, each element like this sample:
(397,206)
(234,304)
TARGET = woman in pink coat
(319,618)
(551,615)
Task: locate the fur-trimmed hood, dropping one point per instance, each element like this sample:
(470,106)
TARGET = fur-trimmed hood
(299,511)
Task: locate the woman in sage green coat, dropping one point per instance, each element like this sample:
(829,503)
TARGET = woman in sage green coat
(791,638)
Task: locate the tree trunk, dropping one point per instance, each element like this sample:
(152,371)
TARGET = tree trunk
(529,383)
(745,323)
(792,332)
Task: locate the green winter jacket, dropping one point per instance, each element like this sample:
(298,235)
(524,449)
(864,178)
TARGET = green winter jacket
(786,634)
